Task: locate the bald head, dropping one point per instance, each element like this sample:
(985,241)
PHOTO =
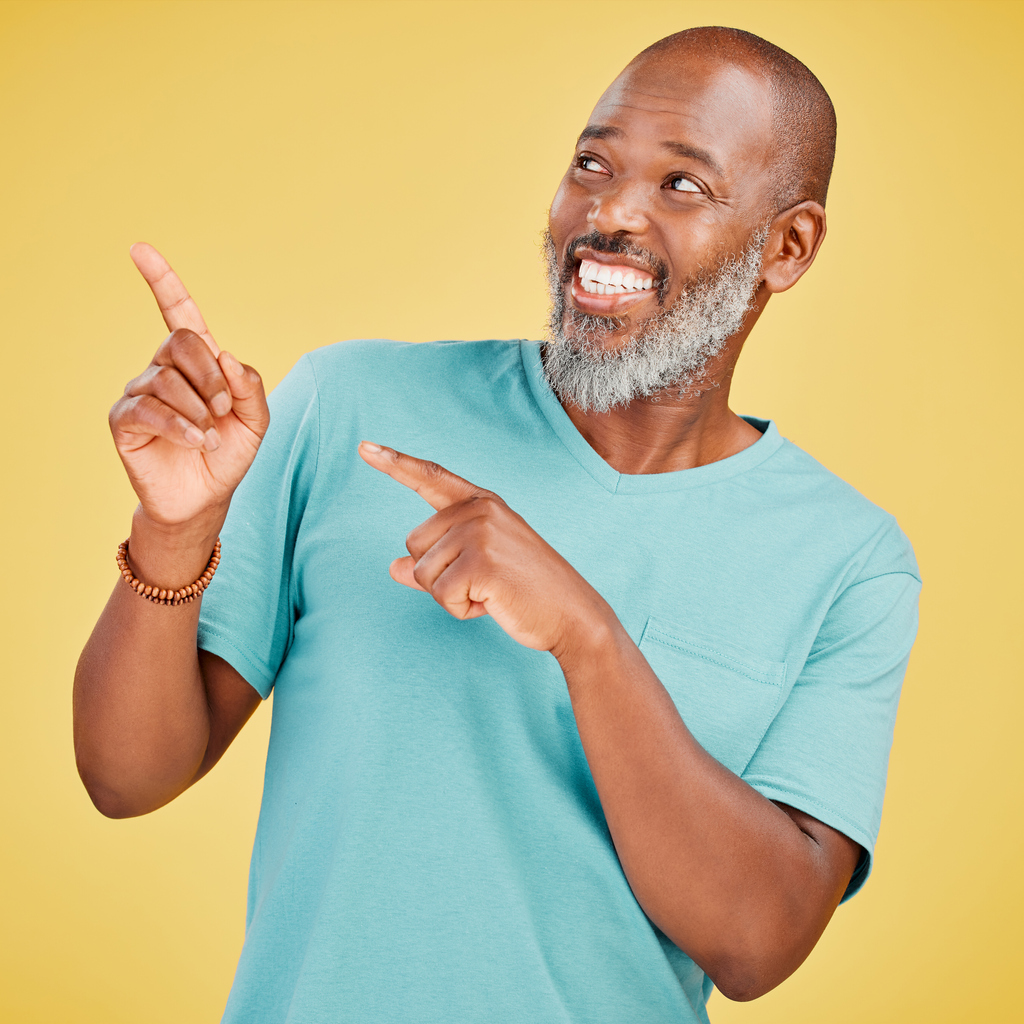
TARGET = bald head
(803,119)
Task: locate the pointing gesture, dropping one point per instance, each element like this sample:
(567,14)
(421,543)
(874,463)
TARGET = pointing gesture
(476,556)
(176,305)
(188,427)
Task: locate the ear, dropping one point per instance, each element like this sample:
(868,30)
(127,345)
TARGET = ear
(793,241)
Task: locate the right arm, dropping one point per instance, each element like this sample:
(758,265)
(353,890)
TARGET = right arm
(152,714)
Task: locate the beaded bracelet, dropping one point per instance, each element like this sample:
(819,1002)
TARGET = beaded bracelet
(185,595)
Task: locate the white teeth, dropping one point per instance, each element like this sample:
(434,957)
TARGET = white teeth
(600,280)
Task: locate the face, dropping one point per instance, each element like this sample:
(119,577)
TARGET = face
(669,179)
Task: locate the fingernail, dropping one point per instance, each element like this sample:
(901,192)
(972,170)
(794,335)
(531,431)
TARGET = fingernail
(370,447)
(212,440)
(221,403)
(194,436)
(233,364)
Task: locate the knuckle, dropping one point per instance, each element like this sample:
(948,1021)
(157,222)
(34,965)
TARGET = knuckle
(161,376)
(486,502)
(183,336)
(136,384)
(152,411)
(212,382)
(181,343)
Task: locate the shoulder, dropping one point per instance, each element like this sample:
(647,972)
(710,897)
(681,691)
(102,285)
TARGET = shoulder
(870,536)
(393,362)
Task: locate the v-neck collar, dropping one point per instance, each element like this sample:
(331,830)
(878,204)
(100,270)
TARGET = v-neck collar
(627,483)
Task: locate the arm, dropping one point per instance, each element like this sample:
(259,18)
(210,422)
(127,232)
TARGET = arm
(151,713)
(742,885)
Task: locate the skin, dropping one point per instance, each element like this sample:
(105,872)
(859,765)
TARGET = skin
(744,886)
(634,186)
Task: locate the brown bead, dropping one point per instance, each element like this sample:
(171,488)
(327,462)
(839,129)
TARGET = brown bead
(183,595)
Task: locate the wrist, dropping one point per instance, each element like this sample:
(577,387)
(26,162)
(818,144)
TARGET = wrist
(588,639)
(172,556)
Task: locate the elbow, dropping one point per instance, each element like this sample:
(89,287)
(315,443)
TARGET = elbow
(115,800)
(743,982)
(750,967)
(110,802)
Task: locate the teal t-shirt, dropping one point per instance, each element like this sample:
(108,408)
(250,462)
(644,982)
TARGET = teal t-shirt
(431,848)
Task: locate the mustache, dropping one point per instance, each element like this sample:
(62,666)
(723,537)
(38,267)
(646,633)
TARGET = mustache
(619,247)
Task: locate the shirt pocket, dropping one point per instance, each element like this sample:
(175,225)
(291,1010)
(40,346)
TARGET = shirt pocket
(727,697)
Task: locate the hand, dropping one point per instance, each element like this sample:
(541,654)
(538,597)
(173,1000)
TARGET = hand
(478,557)
(188,427)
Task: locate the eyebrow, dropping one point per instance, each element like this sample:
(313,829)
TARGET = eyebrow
(684,149)
(694,153)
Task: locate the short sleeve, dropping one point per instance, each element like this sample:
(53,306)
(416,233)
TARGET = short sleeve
(827,751)
(248,611)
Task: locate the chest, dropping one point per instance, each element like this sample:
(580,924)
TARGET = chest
(723,598)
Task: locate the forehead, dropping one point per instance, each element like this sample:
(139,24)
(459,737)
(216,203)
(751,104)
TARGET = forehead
(723,109)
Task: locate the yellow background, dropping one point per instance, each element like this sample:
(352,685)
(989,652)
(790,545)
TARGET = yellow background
(318,171)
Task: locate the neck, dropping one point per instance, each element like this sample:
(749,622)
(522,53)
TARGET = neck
(669,431)
(670,434)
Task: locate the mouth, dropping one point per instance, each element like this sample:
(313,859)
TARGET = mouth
(599,286)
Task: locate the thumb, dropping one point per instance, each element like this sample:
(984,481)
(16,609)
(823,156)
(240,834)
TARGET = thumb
(401,570)
(248,399)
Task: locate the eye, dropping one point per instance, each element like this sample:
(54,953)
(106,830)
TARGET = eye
(681,184)
(588,163)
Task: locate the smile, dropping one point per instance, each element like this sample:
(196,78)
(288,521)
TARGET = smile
(602,279)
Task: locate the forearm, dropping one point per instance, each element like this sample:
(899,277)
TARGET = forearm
(141,715)
(725,873)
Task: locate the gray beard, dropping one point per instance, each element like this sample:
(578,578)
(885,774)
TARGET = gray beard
(670,349)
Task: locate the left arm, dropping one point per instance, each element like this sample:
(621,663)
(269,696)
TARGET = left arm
(742,885)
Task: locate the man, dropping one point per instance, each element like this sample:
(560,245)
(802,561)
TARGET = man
(622,730)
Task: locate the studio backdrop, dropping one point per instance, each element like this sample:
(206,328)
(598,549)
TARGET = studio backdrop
(325,170)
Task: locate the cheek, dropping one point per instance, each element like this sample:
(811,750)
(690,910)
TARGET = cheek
(695,244)
(566,214)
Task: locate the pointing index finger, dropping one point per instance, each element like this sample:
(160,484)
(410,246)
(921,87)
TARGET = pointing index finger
(435,484)
(176,305)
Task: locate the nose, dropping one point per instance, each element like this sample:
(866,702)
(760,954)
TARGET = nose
(619,210)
